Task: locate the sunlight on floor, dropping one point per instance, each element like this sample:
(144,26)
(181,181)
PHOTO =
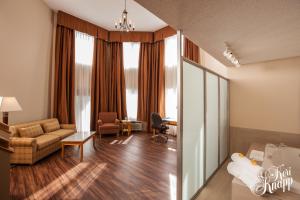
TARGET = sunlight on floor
(127,140)
(122,141)
(74,181)
(173,186)
(113,142)
(171,149)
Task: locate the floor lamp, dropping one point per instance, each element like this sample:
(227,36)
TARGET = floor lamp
(8,104)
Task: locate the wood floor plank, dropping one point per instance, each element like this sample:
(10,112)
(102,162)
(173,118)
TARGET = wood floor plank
(219,187)
(138,169)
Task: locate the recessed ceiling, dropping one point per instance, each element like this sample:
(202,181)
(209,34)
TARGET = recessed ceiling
(256,30)
(104,13)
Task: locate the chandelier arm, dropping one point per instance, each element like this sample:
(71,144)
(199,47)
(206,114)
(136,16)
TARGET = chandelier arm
(125,24)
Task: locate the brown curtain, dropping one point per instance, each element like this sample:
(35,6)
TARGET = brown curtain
(191,50)
(116,81)
(99,81)
(157,79)
(64,81)
(144,81)
(163,33)
(135,36)
(151,90)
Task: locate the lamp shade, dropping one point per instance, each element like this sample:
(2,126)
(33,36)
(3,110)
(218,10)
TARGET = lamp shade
(9,104)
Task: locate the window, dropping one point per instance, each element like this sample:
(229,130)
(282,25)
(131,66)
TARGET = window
(131,63)
(84,45)
(171,77)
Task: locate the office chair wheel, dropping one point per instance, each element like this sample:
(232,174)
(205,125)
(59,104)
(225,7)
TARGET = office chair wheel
(160,139)
(166,138)
(157,139)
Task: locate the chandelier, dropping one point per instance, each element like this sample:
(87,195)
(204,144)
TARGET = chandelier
(124,23)
(229,55)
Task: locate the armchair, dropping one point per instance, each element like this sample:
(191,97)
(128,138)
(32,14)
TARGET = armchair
(108,123)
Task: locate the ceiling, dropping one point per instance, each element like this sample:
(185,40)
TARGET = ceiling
(104,13)
(256,30)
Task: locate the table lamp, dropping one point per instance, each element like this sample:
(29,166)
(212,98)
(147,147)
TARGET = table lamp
(8,104)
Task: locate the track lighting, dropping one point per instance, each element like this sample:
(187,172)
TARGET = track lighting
(229,55)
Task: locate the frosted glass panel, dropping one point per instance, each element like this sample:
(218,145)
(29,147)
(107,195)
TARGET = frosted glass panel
(223,119)
(212,124)
(193,130)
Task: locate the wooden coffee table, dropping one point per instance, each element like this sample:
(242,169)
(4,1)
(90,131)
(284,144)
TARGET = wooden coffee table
(77,139)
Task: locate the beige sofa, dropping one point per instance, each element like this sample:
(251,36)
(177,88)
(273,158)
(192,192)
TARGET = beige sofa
(28,150)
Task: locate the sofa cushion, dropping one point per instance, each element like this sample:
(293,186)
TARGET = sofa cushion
(46,140)
(107,126)
(62,133)
(14,129)
(51,126)
(31,131)
(68,126)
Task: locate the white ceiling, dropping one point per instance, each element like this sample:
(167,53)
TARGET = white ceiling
(104,13)
(256,30)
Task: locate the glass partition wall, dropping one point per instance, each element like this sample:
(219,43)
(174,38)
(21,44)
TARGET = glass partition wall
(203,132)
(224,120)
(212,124)
(193,129)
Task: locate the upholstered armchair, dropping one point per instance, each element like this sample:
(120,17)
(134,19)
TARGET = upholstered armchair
(108,123)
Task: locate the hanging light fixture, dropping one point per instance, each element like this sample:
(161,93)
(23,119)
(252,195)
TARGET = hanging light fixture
(229,55)
(124,23)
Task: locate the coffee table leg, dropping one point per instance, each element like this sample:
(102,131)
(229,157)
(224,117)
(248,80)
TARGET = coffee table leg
(81,152)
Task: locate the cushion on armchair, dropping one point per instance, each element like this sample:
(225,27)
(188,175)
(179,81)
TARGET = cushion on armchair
(108,126)
(31,131)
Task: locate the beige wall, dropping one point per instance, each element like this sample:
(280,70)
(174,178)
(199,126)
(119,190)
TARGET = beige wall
(25,56)
(266,96)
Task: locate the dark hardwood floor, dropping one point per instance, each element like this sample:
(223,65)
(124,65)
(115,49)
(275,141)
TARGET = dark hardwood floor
(137,169)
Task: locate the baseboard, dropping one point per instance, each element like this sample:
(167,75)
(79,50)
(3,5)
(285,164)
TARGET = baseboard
(242,138)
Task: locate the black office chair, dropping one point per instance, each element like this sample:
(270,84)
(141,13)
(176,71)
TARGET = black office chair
(158,125)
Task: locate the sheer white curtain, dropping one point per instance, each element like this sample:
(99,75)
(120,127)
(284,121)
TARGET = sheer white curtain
(171,77)
(84,46)
(131,63)
(171,80)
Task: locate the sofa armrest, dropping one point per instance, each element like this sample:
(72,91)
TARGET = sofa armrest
(22,142)
(68,126)
(117,121)
(99,122)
